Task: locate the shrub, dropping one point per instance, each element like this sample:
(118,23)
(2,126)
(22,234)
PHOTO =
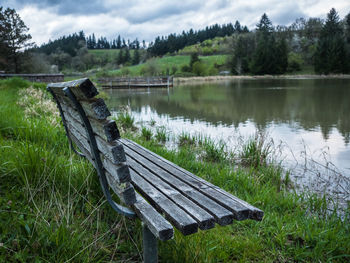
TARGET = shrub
(256,151)
(186,68)
(146,133)
(161,134)
(294,62)
(125,120)
(199,68)
(186,139)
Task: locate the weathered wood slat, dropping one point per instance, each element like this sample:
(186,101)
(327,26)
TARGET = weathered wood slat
(112,150)
(241,209)
(157,224)
(203,218)
(222,215)
(82,88)
(125,192)
(94,108)
(106,129)
(119,172)
(179,218)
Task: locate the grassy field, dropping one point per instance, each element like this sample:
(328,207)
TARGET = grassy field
(52,208)
(168,64)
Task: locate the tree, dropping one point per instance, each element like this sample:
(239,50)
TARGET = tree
(281,52)
(136,57)
(13,39)
(243,49)
(194,59)
(330,54)
(270,56)
(263,57)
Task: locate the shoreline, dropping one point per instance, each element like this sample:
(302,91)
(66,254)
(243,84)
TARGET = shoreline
(248,77)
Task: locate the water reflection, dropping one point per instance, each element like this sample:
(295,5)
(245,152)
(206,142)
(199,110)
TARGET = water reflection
(308,103)
(311,117)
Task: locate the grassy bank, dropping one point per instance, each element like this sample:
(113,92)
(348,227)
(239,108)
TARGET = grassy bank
(52,208)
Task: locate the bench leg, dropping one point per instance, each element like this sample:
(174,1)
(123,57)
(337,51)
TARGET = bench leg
(150,246)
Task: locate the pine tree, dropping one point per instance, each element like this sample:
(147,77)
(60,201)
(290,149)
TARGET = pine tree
(241,55)
(93,41)
(13,39)
(120,57)
(263,61)
(281,60)
(194,59)
(330,56)
(119,43)
(136,57)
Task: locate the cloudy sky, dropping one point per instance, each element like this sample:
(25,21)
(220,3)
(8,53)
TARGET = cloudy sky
(146,19)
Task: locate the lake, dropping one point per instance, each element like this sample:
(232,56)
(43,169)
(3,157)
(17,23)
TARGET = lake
(307,119)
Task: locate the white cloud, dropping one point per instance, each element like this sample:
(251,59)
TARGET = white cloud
(148,18)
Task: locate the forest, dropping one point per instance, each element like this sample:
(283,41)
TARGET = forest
(323,45)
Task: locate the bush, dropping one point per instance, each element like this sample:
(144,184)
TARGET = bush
(151,68)
(294,62)
(161,134)
(146,133)
(199,68)
(207,51)
(186,68)
(125,120)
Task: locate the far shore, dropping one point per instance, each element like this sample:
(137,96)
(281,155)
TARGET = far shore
(243,77)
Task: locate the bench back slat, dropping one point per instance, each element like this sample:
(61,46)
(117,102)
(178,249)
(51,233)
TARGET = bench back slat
(82,88)
(112,150)
(106,129)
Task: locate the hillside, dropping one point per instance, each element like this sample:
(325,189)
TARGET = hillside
(172,65)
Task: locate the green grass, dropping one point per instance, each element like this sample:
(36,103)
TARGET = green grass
(167,64)
(53,210)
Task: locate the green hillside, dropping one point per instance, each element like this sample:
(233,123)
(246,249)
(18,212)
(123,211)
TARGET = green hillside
(171,65)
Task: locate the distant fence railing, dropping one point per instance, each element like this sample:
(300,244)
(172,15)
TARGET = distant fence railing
(46,78)
(136,82)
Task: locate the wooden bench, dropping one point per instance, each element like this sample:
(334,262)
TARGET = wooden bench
(166,195)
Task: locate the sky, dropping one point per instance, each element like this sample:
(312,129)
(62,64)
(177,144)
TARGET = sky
(147,19)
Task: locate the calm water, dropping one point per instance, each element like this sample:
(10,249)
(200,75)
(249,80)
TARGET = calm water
(308,119)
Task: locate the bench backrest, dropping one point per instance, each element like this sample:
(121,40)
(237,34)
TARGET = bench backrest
(85,119)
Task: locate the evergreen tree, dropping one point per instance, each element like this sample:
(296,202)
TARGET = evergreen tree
(269,57)
(194,59)
(120,57)
(119,42)
(93,43)
(330,56)
(347,28)
(136,57)
(238,28)
(13,38)
(263,57)
(241,55)
(281,61)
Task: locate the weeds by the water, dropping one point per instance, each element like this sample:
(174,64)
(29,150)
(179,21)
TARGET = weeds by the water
(125,120)
(161,134)
(186,139)
(256,151)
(146,133)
